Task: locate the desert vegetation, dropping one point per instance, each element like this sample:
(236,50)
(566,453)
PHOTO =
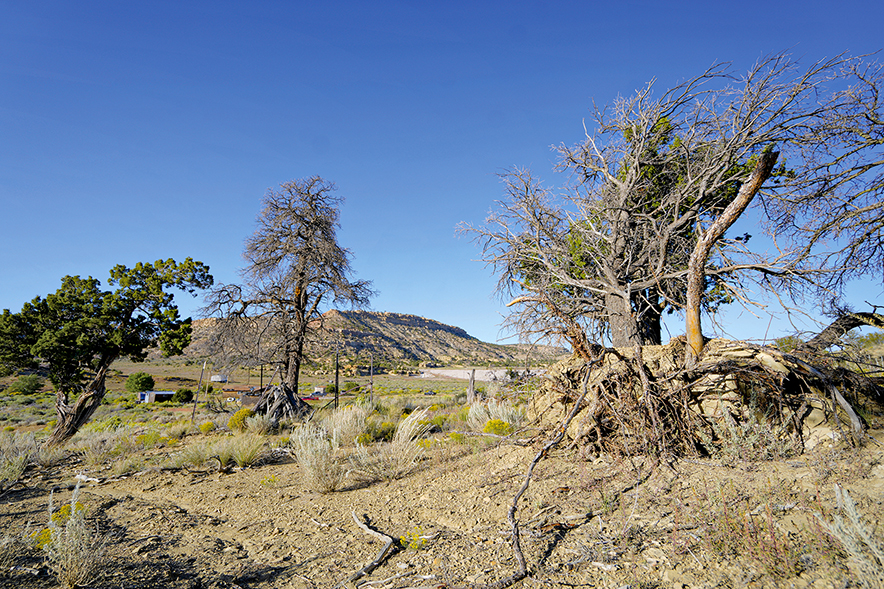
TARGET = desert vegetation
(698,462)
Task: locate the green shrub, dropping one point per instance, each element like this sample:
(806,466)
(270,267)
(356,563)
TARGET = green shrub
(28,384)
(138,382)
(329,389)
(349,386)
(207,426)
(237,423)
(182,396)
(498,427)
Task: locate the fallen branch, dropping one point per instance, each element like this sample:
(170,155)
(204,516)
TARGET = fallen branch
(388,549)
(522,571)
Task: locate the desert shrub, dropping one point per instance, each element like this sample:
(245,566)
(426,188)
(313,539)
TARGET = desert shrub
(329,389)
(349,386)
(182,396)
(28,384)
(207,427)
(348,422)
(498,427)
(178,431)
(74,552)
(397,458)
(151,439)
(380,431)
(237,423)
(127,465)
(11,469)
(95,447)
(752,439)
(480,414)
(195,455)
(259,424)
(138,382)
(317,453)
(865,551)
(247,449)
(49,456)
(223,451)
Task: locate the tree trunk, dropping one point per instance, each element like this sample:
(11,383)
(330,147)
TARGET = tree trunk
(72,417)
(647,310)
(700,255)
(838,328)
(621,323)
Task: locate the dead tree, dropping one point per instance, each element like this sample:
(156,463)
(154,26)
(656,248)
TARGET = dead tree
(294,267)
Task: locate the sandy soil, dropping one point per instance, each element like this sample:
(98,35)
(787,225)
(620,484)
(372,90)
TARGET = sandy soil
(587,522)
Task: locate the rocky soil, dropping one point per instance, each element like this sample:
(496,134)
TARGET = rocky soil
(588,521)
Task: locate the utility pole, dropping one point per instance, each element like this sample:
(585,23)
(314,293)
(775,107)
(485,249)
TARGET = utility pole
(197,395)
(337,370)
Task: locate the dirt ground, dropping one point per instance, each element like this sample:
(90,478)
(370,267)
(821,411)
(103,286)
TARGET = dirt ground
(586,521)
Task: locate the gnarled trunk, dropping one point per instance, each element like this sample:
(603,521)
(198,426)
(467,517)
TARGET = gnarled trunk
(72,417)
(700,255)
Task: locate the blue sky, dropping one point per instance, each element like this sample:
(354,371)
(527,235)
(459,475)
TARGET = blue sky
(132,131)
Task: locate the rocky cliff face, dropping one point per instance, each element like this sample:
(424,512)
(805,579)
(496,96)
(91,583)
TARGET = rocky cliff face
(397,340)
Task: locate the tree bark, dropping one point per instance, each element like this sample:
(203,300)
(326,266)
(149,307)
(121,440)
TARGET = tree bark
(72,417)
(700,255)
(621,322)
(840,327)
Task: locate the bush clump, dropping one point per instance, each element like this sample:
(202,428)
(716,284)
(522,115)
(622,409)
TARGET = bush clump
(182,396)
(207,427)
(139,382)
(498,427)
(237,423)
(76,555)
(28,384)
(317,453)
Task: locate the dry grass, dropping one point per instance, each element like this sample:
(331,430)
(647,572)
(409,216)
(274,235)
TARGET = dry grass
(247,449)
(348,422)
(75,553)
(481,413)
(397,458)
(317,453)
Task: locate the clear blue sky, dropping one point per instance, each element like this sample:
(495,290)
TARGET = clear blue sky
(132,131)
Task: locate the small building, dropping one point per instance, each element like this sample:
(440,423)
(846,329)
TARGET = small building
(154,396)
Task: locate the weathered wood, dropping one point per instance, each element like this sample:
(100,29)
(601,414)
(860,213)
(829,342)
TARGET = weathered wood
(838,328)
(280,402)
(72,417)
(700,255)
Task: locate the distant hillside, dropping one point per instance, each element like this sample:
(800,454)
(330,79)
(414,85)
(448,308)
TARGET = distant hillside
(397,340)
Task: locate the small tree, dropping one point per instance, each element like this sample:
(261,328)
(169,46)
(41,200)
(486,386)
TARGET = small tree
(139,381)
(80,330)
(182,396)
(294,269)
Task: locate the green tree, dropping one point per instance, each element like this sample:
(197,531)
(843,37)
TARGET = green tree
(182,396)
(78,331)
(139,381)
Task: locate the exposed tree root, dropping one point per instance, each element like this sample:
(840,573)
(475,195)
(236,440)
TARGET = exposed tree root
(642,401)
